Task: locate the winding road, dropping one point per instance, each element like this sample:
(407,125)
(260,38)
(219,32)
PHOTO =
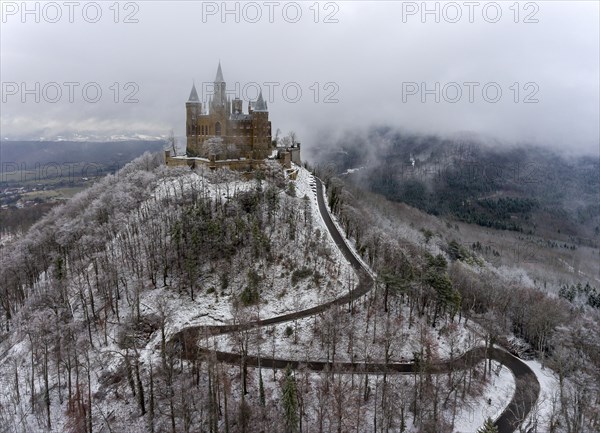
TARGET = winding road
(527,386)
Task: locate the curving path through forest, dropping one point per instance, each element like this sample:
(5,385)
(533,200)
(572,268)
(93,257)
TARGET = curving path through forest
(527,386)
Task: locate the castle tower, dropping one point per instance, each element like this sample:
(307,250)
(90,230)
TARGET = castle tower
(261,105)
(220,94)
(237,106)
(261,128)
(193,108)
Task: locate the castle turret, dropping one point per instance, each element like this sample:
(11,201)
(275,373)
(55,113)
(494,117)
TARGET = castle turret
(261,127)
(193,101)
(220,96)
(261,105)
(237,106)
(219,76)
(193,108)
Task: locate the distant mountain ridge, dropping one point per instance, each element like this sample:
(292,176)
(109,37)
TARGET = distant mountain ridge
(99,152)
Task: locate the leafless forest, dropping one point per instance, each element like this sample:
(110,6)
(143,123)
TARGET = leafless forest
(95,296)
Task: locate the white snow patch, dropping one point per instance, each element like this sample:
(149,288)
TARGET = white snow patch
(494,399)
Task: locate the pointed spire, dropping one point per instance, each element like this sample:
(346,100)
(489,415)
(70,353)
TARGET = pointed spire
(261,105)
(193,94)
(219,77)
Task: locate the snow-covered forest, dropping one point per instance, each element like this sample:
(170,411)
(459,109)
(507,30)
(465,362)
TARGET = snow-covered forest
(97,297)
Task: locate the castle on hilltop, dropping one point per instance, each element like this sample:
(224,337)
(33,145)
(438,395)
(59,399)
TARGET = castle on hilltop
(220,134)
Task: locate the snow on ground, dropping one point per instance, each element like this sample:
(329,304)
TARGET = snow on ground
(301,339)
(281,298)
(278,295)
(352,170)
(176,186)
(6,238)
(549,390)
(490,399)
(490,404)
(211,305)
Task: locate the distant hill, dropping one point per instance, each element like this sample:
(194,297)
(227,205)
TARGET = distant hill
(36,175)
(104,153)
(522,188)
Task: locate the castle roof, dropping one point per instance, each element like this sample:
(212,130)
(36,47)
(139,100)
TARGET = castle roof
(240,116)
(261,105)
(219,77)
(193,95)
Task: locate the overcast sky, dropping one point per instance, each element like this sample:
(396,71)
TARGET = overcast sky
(374,62)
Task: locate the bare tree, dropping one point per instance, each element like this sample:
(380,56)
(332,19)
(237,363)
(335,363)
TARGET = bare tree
(171,142)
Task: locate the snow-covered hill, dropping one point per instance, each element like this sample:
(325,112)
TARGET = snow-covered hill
(94,294)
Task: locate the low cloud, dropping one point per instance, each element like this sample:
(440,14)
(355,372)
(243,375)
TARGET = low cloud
(380,63)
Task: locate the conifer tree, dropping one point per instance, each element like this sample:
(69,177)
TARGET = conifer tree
(488,427)
(290,402)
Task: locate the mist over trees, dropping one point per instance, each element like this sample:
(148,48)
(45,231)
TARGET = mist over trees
(522,188)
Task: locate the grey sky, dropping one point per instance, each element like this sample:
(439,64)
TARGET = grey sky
(369,57)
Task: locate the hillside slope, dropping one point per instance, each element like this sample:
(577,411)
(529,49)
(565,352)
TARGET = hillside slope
(95,295)
(522,188)
(149,249)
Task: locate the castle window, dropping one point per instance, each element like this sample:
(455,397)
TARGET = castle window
(218,128)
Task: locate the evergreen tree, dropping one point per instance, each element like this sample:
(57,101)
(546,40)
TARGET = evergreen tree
(488,427)
(290,402)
